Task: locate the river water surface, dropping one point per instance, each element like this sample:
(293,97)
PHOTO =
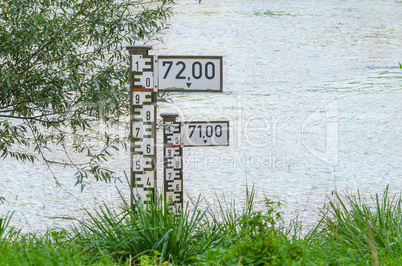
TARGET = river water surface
(312,91)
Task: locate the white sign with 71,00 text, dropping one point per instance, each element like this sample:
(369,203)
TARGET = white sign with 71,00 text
(205,133)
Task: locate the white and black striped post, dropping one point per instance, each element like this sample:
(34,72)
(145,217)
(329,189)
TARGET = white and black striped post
(143,100)
(173,163)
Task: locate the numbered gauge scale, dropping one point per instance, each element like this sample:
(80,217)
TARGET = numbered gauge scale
(143,129)
(173,171)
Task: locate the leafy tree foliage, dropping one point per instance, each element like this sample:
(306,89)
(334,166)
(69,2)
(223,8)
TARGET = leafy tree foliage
(63,71)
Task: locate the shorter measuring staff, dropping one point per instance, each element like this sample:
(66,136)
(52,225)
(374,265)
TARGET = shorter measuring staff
(173,171)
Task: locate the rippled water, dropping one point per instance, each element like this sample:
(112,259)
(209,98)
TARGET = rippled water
(312,91)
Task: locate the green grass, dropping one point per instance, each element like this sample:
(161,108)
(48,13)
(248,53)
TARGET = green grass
(369,232)
(127,234)
(352,231)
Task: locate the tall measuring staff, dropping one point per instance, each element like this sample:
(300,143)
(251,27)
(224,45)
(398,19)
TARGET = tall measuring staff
(143,101)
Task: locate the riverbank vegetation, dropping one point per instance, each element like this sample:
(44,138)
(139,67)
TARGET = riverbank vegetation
(350,231)
(64,72)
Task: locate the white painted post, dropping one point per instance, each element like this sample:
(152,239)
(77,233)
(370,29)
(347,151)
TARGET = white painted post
(143,101)
(173,163)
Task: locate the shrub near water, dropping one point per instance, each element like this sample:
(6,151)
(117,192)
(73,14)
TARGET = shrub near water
(254,237)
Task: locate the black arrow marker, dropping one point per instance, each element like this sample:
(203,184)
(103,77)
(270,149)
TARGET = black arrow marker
(205,141)
(188,85)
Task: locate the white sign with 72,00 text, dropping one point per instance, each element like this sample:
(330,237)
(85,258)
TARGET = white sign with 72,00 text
(189,73)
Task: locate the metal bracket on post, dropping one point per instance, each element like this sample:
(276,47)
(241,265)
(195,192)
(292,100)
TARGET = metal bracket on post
(143,100)
(173,162)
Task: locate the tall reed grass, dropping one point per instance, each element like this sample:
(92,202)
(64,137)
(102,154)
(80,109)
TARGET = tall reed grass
(5,231)
(128,234)
(351,231)
(369,230)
